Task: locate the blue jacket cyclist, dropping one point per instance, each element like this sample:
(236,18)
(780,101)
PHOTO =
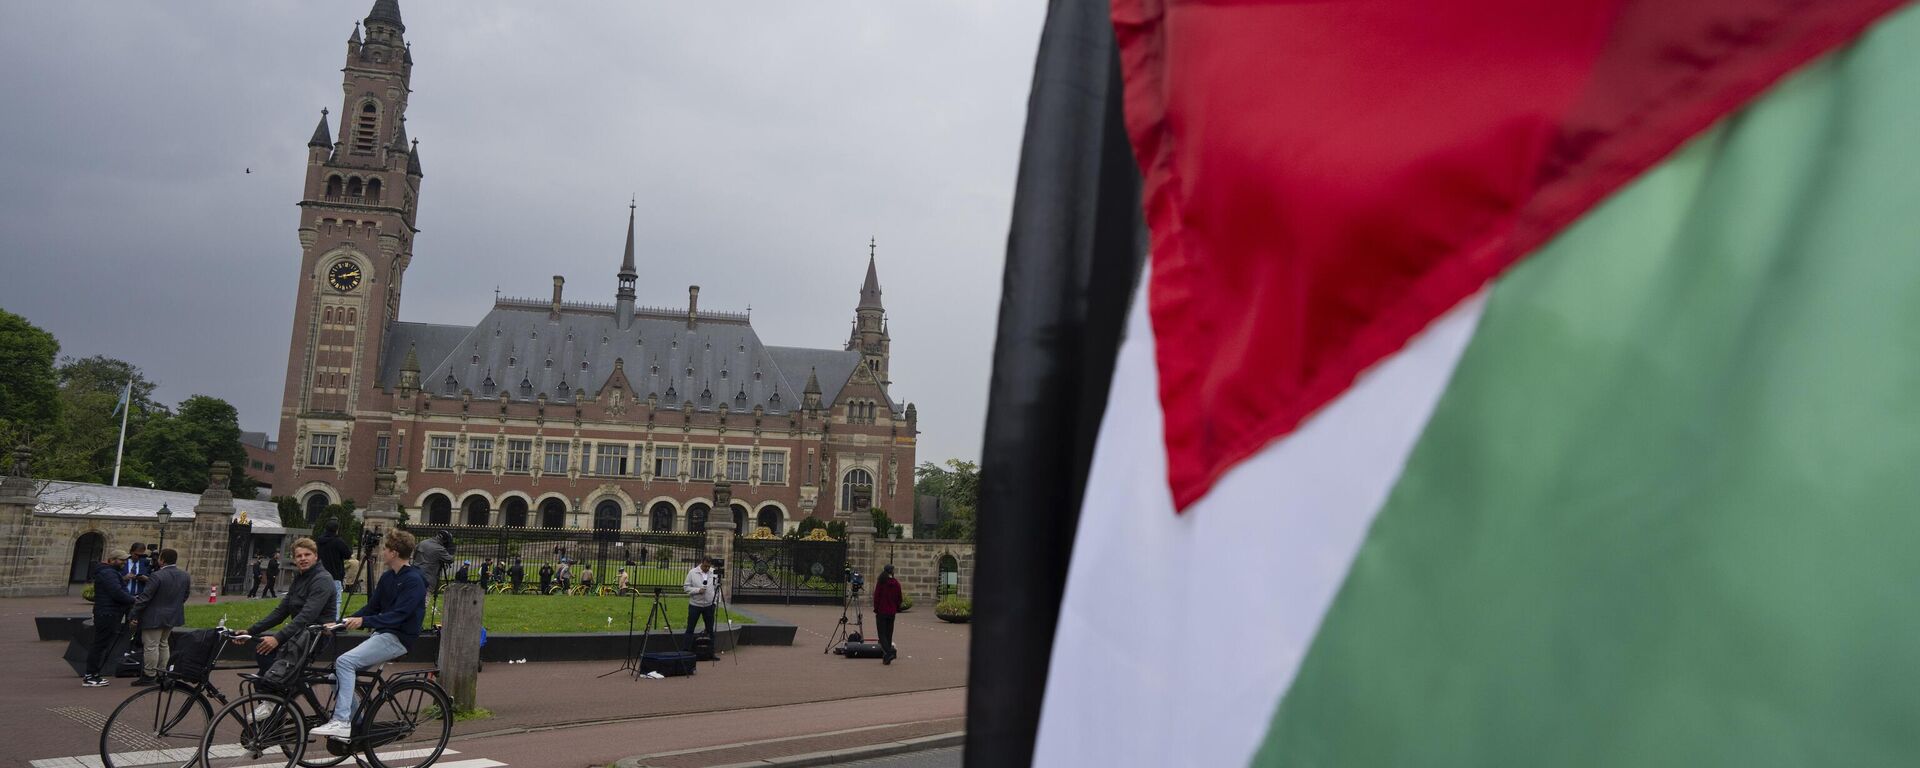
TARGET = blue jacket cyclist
(393,612)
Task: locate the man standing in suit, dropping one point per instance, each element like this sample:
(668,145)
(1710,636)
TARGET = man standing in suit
(110,603)
(159,608)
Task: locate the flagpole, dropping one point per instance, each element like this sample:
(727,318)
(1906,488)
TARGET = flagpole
(126,407)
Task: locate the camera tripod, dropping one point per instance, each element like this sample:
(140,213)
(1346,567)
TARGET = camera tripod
(658,609)
(631,663)
(368,546)
(851,603)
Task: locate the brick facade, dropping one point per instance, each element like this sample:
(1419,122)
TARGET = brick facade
(619,392)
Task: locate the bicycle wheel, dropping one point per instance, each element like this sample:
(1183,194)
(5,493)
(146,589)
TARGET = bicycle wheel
(317,755)
(407,725)
(257,730)
(161,724)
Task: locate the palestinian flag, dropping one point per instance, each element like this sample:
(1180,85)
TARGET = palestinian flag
(1507,383)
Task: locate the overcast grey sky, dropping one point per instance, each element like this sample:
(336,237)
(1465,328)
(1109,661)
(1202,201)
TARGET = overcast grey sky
(766,142)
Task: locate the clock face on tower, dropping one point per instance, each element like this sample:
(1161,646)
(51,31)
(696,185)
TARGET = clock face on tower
(344,276)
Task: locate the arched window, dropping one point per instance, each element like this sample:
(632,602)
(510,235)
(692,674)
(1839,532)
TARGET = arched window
(697,518)
(949,575)
(373,190)
(333,187)
(740,520)
(606,516)
(553,514)
(326,315)
(87,551)
(478,512)
(353,187)
(352,316)
(769,518)
(662,517)
(516,512)
(854,479)
(439,509)
(366,126)
(316,505)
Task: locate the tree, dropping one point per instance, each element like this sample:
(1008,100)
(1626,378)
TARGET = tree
(291,516)
(175,451)
(29,392)
(89,426)
(882,524)
(958,487)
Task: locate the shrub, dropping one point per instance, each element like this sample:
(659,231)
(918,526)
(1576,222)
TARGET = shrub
(958,607)
(906,601)
(86,593)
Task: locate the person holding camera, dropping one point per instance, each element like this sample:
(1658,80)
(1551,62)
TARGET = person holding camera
(886,605)
(702,588)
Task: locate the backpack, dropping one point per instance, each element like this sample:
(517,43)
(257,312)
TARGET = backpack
(294,655)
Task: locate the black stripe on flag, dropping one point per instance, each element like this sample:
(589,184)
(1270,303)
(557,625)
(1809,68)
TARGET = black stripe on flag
(1074,252)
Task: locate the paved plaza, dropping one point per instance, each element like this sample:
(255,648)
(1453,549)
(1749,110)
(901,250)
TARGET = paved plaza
(762,702)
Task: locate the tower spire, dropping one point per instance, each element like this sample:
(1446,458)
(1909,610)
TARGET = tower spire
(386,11)
(870,290)
(623,299)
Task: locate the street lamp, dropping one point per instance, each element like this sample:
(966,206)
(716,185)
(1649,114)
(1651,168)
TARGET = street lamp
(166,516)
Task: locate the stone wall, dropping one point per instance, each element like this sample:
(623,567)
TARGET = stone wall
(39,553)
(916,563)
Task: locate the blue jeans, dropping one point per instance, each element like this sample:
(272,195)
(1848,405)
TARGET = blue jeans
(379,649)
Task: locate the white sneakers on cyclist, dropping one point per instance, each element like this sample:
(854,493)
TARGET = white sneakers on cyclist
(263,710)
(338,729)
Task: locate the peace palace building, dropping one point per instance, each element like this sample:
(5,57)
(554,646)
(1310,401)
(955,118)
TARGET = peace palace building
(550,412)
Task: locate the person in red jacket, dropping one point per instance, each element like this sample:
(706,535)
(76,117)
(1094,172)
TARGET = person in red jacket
(886,604)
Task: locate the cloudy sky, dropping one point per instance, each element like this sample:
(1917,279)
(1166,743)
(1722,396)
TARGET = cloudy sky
(765,143)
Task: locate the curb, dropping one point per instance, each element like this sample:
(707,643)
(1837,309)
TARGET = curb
(829,757)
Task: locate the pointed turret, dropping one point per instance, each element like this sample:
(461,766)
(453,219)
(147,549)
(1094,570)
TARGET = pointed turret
(386,12)
(810,397)
(870,290)
(410,371)
(321,138)
(413,160)
(623,298)
(355,40)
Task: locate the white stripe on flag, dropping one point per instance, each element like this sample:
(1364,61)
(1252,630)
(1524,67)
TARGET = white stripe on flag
(1178,634)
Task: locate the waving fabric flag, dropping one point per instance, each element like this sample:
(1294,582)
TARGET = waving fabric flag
(1511,384)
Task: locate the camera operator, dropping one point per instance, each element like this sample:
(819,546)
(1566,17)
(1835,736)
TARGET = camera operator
(432,558)
(334,552)
(702,587)
(886,605)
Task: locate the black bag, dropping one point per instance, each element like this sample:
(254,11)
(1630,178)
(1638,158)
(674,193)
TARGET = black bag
(703,648)
(292,658)
(191,653)
(859,650)
(669,663)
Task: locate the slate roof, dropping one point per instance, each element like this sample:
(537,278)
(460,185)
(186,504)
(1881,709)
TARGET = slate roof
(387,11)
(516,349)
(125,503)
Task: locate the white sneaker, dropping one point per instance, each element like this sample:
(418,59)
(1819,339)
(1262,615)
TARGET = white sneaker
(338,729)
(262,711)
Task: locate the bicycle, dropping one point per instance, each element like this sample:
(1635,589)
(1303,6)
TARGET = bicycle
(393,709)
(182,713)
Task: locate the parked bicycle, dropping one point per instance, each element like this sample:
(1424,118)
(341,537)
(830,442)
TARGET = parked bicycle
(405,722)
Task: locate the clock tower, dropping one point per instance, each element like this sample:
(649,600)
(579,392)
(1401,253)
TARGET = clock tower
(356,238)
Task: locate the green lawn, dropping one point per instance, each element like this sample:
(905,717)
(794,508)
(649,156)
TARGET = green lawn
(508,614)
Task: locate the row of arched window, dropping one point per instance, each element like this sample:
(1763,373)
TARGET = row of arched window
(353,187)
(346,315)
(608,514)
(862,411)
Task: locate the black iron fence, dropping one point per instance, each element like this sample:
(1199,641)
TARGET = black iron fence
(572,560)
(788,571)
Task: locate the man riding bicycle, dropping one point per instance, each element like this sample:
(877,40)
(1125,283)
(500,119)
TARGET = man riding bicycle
(393,612)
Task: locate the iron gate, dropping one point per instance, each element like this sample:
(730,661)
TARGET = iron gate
(788,571)
(650,558)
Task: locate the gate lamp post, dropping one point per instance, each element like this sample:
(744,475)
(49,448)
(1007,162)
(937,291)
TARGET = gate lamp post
(166,516)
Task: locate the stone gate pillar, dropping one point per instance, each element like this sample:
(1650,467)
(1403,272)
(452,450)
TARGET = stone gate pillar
(17,500)
(720,529)
(203,542)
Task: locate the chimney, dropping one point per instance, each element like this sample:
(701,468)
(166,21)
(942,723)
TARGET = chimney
(693,305)
(553,313)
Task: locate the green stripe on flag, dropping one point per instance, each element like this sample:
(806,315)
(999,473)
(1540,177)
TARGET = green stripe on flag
(1668,511)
